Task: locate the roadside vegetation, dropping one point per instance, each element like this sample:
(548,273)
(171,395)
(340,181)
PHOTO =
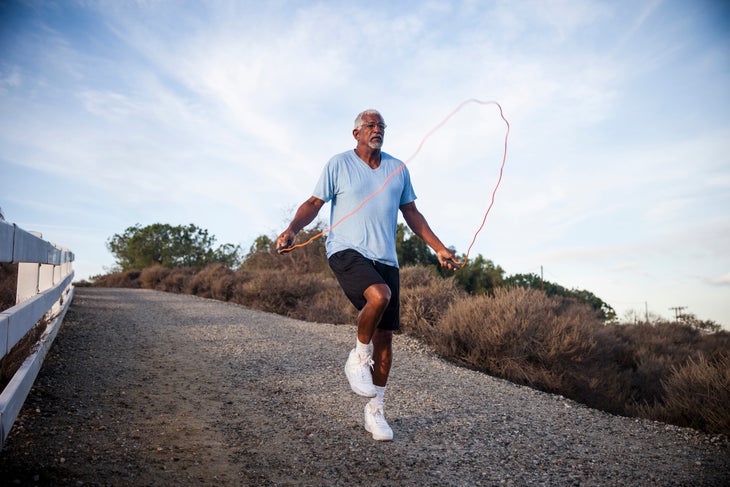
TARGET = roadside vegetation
(519,328)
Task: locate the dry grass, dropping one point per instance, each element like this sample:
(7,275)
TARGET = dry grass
(127,279)
(301,296)
(11,362)
(665,371)
(8,285)
(521,335)
(215,281)
(425,297)
(696,394)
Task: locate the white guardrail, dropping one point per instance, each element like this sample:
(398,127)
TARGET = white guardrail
(45,272)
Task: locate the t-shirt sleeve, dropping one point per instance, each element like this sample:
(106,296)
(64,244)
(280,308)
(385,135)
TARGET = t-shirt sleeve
(408,195)
(324,189)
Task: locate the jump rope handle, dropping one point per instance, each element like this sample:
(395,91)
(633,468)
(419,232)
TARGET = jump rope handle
(286,248)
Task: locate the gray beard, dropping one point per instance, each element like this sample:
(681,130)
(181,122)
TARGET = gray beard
(375,145)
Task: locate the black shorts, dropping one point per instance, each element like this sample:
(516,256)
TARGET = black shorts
(355,273)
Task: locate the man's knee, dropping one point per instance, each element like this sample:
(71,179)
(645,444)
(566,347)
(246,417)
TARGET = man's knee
(378,295)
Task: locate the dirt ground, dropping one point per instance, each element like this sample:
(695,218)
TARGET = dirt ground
(148,388)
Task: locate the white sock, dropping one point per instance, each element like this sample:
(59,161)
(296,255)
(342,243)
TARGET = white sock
(378,399)
(363,348)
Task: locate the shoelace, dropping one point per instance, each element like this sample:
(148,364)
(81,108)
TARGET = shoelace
(368,360)
(379,417)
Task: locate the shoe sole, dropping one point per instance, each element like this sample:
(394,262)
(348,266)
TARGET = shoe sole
(361,392)
(376,437)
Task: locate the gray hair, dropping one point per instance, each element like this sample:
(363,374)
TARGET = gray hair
(370,111)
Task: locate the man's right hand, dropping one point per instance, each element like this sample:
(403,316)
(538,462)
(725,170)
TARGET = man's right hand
(285,241)
(305,214)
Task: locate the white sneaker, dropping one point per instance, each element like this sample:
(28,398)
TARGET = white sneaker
(376,424)
(357,370)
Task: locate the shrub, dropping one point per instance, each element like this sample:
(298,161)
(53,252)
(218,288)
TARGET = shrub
(328,305)
(176,280)
(652,352)
(215,281)
(152,277)
(128,279)
(696,394)
(521,335)
(424,298)
(276,291)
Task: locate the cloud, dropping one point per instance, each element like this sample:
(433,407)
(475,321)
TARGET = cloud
(720,281)
(224,113)
(10,77)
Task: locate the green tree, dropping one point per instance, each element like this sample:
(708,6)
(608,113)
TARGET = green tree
(411,249)
(170,246)
(479,275)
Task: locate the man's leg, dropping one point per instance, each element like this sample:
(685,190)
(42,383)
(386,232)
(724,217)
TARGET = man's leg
(360,361)
(382,356)
(377,297)
(375,422)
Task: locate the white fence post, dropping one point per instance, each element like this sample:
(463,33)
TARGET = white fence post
(28,281)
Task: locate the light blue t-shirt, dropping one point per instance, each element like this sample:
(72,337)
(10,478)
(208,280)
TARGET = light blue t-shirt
(346,182)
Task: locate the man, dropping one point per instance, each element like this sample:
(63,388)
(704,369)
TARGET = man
(361,252)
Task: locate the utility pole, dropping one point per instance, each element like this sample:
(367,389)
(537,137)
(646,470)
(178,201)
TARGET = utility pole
(677,310)
(646,311)
(542,281)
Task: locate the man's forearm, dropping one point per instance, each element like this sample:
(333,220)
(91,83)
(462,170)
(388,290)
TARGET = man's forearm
(417,222)
(306,213)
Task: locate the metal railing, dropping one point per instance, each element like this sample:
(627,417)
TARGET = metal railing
(44,290)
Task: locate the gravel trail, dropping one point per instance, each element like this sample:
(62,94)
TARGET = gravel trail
(150,388)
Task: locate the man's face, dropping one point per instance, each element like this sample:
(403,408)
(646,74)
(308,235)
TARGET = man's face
(371,132)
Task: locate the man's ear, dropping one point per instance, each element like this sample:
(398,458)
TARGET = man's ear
(355,132)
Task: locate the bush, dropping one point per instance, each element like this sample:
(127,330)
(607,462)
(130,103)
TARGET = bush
(696,394)
(156,277)
(214,281)
(129,279)
(425,297)
(176,281)
(289,294)
(329,305)
(152,277)
(521,335)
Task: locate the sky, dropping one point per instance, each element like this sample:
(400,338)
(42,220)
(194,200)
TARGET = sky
(223,113)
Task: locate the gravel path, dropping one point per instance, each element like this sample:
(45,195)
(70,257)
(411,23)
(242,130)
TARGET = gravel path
(149,388)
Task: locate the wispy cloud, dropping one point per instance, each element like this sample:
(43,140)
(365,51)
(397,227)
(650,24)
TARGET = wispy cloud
(722,281)
(224,113)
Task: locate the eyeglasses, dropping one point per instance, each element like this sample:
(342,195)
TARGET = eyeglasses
(371,125)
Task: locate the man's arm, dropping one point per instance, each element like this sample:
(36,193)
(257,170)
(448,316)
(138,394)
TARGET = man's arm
(417,222)
(306,213)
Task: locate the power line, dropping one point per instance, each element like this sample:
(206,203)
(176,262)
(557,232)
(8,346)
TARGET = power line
(677,311)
